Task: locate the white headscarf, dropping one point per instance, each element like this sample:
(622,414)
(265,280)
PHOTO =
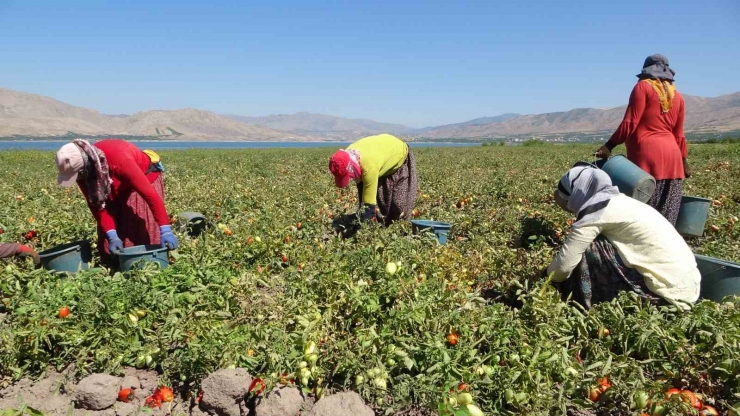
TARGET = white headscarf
(588,191)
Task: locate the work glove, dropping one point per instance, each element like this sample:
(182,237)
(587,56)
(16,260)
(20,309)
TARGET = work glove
(368,213)
(686,168)
(115,245)
(167,238)
(25,251)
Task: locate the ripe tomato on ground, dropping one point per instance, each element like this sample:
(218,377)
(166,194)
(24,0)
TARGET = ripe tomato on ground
(63,312)
(452,339)
(125,395)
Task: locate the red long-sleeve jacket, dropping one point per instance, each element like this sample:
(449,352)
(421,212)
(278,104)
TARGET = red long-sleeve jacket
(127,166)
(655,141)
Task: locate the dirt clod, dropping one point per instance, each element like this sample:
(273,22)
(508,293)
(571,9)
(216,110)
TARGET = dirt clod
(341,404)
(97,391)
(287,401)
(224,391)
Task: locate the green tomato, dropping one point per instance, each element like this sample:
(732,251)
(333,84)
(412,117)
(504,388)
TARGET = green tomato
(571,372)
(302,364)
(391,362)
(514,358)
(474,410)
(312,359)
(380,383)
(310,348)
(521,397)
(359,380)
(641,399)
(304,381)
(509,395)
(465,398)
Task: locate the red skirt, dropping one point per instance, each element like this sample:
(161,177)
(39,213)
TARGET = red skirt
(135,223)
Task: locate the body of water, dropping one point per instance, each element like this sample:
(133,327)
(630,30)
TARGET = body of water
(173,145)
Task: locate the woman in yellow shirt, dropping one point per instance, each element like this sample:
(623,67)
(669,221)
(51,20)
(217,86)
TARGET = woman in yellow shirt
(384,169)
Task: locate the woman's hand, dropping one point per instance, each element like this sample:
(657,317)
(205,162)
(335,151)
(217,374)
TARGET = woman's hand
(603,152)
(686,169)
(167,238)
(115,245)
(26,251)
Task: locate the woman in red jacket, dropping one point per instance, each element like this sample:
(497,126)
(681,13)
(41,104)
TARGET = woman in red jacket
(124,190)
(652,130)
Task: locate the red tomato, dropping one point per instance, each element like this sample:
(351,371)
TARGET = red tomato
(452,339)
(125,395)
(165,394)
(153,401)
(672,391)
(1,231)
(31,234)
(257,386)
(462,386)
(200,396)
(604,384)
(63,312)
(692,399)
(594,394)
(284,259)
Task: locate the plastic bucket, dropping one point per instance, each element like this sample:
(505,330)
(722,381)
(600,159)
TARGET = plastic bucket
(629,178)
(194,223)
(719,278)
(137,257)
(68,258)
(440,229)
(692,217)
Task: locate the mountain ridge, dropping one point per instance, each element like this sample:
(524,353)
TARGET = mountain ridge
(31,115)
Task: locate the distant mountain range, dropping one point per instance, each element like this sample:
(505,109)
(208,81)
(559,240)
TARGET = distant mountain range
(24,115)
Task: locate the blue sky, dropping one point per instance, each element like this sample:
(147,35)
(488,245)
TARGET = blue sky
(413,62)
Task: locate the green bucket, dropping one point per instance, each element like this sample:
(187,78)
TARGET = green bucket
(692,217)
(67,258)
(719,278)
(629,178)
(137,257)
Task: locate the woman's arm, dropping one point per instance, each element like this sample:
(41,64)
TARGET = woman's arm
(571,252)
(632,116)
(678,133)
(133,176)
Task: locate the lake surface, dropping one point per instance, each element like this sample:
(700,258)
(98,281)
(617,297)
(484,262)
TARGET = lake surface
(172,145)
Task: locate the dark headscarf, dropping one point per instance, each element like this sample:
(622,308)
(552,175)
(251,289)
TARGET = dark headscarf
(96,176)
(656,67)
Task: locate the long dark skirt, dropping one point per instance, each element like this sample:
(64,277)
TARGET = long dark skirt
(667,198)
(397,192)
(601,275)
(135,222)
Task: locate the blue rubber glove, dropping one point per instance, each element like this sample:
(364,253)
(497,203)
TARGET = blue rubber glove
(115,245)
(167,239)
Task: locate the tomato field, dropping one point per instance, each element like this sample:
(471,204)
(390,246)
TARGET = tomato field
(271,288)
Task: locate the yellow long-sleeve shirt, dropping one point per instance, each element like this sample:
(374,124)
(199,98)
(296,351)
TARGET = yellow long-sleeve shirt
(380,156)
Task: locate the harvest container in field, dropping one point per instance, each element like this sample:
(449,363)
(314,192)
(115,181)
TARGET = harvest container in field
(137,257)
(692,217)
(628,177)
(440,229)
(68,258)
(719,278)
(193,223)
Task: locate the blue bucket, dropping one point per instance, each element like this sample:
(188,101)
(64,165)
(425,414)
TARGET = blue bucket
(137,257)
(67,258)
(692,217)
(629,178)
(719,278)
(440,229)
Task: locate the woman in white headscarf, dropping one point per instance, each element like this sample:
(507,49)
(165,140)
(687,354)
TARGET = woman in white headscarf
(619,244)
